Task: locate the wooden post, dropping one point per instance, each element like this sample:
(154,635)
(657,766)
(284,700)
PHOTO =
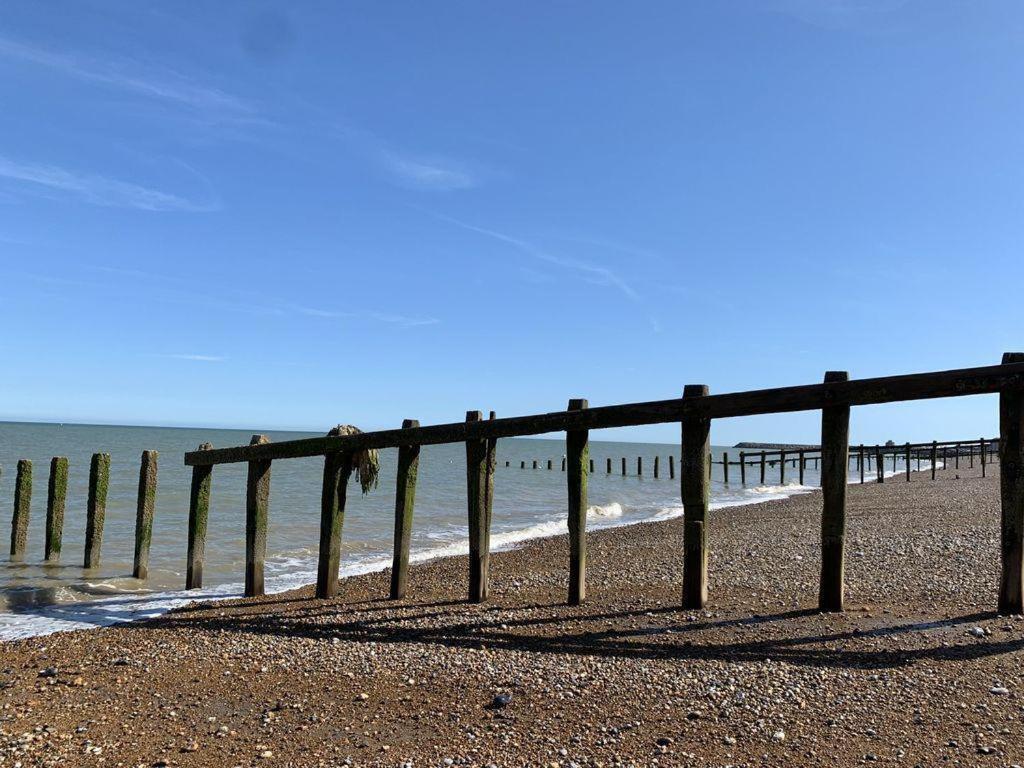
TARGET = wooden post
(550,465)
(56,497)
(984,456)
(479,524)
(671,466)
(592,468)
(762,466)
(894,461)
(743,468)
(405,497)
(578,449)
(96,508)
(835,436)
(534,461)
(782,467)
(609,467)
(907,461)
(725,467)
(144,510)
(860,461)
(657,460)
(563,463)
(333,495)
(198,512)
(693,472)
(623,466)
(957,459)
(879,465)
(257,503)
(801,458)
(1011,489)
(934,459)
(639,466)
(522,465)
(22,509)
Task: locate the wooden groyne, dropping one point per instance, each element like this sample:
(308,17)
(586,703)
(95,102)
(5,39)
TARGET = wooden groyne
(694,412)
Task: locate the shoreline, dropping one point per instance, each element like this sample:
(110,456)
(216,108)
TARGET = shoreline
(907,674)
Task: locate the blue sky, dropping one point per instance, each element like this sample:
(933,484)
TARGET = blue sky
(290,215)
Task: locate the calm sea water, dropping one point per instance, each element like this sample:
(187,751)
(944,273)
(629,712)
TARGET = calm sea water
(37,598)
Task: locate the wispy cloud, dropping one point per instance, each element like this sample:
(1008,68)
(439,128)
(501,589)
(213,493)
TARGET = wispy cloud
(380,317)
(194,358)
(129,75)
(434,173)
(99,190)
(595,273)
(837,14)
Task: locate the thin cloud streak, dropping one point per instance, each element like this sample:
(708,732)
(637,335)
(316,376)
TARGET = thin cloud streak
(194,358)
(595,273)
(382,317)
(100,190)
(426,173)
(166,86)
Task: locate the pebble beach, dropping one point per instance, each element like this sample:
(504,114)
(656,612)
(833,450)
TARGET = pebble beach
(919,670)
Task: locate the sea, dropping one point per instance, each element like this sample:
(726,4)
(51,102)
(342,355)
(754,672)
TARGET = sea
(38,598)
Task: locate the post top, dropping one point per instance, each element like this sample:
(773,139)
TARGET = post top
(1013,357)
(409,423)
(836,376)
(578,403)
(474,416)
(695,390)
(259,440)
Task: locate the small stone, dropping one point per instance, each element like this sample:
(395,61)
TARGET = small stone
(779,735)
(976,632)
(48,672)
(501,700)
(998,690)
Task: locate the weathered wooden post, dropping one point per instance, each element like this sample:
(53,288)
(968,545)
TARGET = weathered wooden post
(96,508)
(743,468)
(894,460)
(695,488)
(198,512)
(257,503)
(762,466)
(479,518)
(934,458)
(405,497)
(22,509)
(984,457)
(802,461)
(860,462)
(578,449)
(1011,489)
(623,466)
(608,470)
(639,466)
(56,497)
(333,495)
(957,459)
(725,468)
(522,465)
(592,467)
(782,467)
(563,463)
(879,465)
(906,460)
(657,460)
(534,463)
(835,436)
(550,465)
(671,466)
(144,510)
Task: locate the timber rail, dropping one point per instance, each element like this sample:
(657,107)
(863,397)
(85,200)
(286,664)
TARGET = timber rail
(694,411)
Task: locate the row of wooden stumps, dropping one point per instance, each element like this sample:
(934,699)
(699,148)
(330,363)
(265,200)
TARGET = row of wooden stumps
(802,461)
(96,508)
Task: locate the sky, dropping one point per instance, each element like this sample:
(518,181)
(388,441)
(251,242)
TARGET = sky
(289,215)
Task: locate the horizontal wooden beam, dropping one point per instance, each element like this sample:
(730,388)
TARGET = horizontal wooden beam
(888,389)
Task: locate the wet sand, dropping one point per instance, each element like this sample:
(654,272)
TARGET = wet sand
(918,671)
